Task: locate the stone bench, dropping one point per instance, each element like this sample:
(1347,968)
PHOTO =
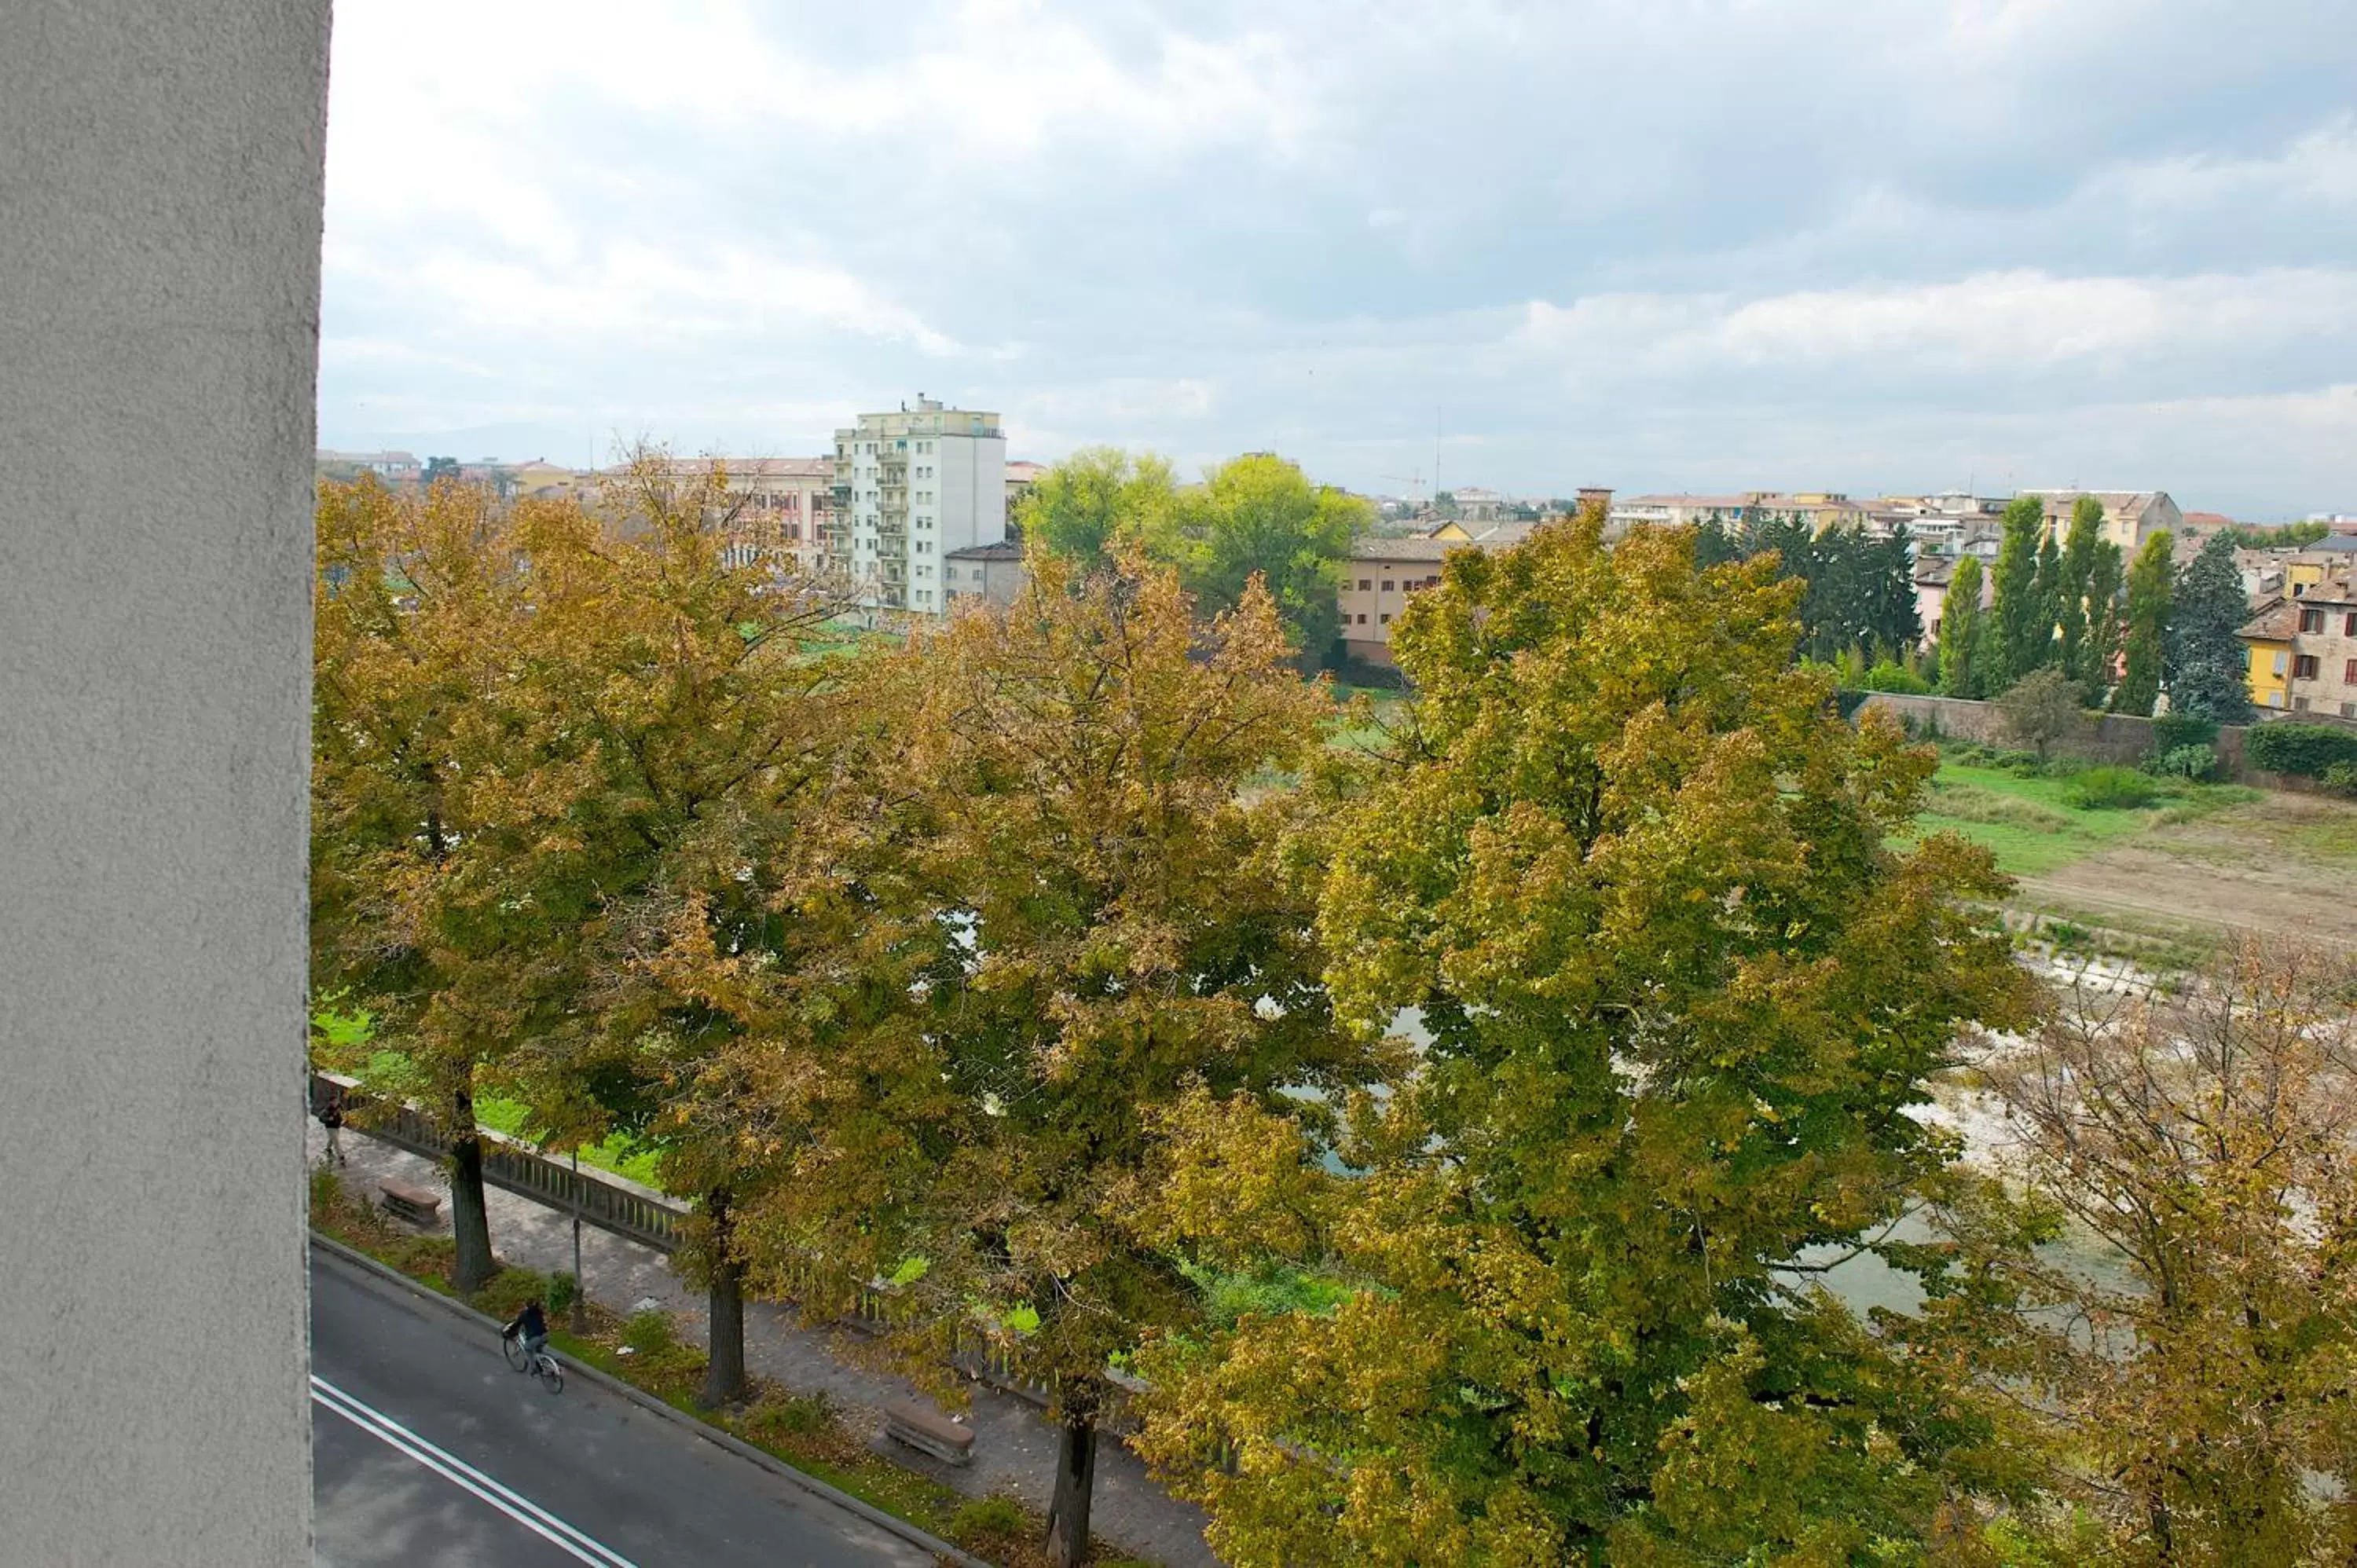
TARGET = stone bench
(928,1431)
(413,1204)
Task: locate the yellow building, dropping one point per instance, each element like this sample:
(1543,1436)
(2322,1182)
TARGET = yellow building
(2302,649)
(2267,640)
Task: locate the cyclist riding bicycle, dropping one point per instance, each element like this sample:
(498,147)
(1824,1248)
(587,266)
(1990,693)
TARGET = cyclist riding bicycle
(532,1325)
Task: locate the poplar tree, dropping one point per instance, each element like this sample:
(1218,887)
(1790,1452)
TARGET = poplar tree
(2017,608)
(2044,648)
(1964,634)
(2103,651)
(2151,588)
(2075,588)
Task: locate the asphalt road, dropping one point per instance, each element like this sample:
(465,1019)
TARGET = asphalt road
(426,1448)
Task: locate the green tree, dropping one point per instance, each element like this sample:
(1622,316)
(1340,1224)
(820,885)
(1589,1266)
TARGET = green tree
(1631,869)
(2284,536)
(1714,545)
(2019,645)
(1858,593)
(2102,655)
(1084,507)
(2208,666)
(1259,516)
(436,469)
(2074,586)
(1964,634)
(1894,622)
(1068,916)
(2041,708)
(2151,590)
(2048,579)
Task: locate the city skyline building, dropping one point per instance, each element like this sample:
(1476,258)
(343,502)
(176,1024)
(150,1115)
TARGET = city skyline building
(911,487)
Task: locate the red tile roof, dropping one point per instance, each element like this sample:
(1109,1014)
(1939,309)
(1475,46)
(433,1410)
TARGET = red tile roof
(2277,619)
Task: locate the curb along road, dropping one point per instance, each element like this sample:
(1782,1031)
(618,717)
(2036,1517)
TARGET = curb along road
(576,1368)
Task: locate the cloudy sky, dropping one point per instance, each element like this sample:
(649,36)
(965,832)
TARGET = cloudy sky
(1847,244)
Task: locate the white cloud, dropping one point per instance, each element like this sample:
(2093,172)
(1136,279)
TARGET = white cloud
(1989,323)
(1765,240)
(2319,166)
(1123,402)
(633,292)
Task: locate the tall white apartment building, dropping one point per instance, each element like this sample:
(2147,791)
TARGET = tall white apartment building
(909,487)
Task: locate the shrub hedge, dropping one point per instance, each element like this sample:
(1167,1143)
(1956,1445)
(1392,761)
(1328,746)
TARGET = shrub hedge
(2306,750)
(2173,732)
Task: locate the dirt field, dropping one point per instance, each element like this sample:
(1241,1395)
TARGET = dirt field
(2281,863)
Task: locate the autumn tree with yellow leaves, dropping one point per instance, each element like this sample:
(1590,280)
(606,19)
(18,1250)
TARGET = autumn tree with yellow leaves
(621,726)
(420,603)
(2191,1352)
(1065,916)
(683,727)
(1682,994)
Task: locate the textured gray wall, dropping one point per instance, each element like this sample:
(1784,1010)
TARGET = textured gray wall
(160,180)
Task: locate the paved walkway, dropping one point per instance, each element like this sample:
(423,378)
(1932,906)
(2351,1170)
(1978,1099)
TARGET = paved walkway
(1014,1448)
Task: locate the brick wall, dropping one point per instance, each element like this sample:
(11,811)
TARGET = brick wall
(2106,737)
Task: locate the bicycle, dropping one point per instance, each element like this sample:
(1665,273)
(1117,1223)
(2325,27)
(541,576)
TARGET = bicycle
(539,1363)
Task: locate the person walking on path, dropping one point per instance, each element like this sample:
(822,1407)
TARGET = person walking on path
(331,1117)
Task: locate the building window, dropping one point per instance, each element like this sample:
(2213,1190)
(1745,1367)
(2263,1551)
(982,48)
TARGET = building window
(1387,584)
(1387,617)
(2279,661)
(1363,618)
(2311,620)
(2349,674)
(2304,667)
(1364,584)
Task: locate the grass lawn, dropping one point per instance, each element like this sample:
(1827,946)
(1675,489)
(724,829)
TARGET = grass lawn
(618,1154)
(344,1046)
(1390,707)
(2032,824)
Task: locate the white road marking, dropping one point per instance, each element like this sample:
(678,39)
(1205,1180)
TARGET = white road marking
(448,1466)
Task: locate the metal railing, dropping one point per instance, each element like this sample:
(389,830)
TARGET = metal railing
(610,1202)
(623,1207)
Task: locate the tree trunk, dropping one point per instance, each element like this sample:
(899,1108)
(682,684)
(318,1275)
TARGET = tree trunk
(2157,1521)
(1076,1469)
(470,1223)
(723,1378)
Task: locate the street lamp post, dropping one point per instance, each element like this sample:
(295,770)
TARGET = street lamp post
(578,1292)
